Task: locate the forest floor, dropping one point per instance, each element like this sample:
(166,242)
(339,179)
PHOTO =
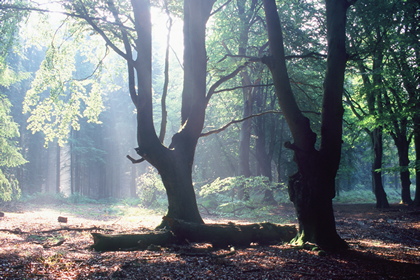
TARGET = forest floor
(384,244)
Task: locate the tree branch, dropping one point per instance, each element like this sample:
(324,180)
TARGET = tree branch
(221,7)
(224,79)
(108,41)
(240,87)
(287,57)
(238,121)
(134,161)
(129,57)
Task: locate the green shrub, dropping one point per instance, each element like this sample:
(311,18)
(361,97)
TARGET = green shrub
(9,188)
(150,190)
(240,196)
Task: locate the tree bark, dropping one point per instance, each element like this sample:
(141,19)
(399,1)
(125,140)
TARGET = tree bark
(403,146)
(417,147)
(175,162)
(312,188)
(378,188)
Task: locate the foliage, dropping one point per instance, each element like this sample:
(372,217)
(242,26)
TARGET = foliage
(10,155)
(150,189)
(66,86)
(221,195)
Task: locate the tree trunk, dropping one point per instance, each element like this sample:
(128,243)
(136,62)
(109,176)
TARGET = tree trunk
(416,119)
(245,134)
(403,147)
(312,188)
(177,179)
(175,162)
(264,159)
(378,188)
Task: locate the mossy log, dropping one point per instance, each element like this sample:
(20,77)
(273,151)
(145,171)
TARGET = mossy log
(118,242)
(219,235)
(225,235)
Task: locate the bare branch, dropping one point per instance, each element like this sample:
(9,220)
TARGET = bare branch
(224,79)
(129,56)
(311,54)
(240,87)
(108,41)
(166,76)
(134,161)
(221,7)
(238,121)
(250,58)
(257,59)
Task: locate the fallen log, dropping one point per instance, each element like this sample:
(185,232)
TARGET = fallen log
(219,235)
(120,242)
(224,235)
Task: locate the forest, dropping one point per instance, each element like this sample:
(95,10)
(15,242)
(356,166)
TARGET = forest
(278,139)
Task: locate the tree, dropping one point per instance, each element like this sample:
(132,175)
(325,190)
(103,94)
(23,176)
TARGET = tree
(405,58)
(174,163)
(380,47)
(10,155)
(312,188)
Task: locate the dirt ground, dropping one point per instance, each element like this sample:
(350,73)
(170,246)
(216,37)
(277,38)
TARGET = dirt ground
(34,245)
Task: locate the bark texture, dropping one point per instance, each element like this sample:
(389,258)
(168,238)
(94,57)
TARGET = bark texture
(312,188)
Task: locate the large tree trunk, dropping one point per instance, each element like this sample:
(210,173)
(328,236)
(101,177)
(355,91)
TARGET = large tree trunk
(175,162)
(403,146)
(313,186)
(378,188)
(176,177)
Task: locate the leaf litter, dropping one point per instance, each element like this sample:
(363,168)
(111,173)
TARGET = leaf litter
(384,244)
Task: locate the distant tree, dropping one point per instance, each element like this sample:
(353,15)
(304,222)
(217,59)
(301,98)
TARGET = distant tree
(379,47)
(405,74)
(312,188)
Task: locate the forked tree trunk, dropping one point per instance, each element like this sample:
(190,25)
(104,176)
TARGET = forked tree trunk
(312,188)
(174,163)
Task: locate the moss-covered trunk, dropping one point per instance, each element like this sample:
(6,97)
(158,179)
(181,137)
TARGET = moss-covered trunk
(311,191)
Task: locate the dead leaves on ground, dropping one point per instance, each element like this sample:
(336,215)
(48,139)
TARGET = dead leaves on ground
(36,248)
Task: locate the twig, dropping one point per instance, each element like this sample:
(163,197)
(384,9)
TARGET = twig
(14,231)
(60,242)
(134,161)
(73,229)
